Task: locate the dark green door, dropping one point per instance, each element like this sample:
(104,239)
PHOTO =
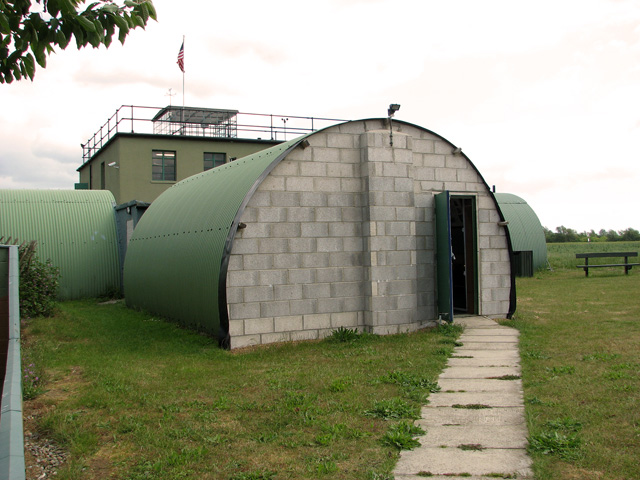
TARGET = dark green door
(443,256)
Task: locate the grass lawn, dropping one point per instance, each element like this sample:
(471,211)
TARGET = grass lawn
(132,397)
(580,350)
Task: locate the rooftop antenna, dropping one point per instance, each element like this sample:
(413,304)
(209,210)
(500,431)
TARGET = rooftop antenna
(169,94)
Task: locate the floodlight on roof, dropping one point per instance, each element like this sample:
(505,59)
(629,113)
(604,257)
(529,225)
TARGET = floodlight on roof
(393,108)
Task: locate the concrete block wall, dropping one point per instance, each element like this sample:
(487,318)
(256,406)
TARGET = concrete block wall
(341,233)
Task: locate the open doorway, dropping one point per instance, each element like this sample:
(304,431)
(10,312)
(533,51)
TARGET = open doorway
(463,254)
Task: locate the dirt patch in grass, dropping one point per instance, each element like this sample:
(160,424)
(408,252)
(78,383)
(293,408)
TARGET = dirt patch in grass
(42,455)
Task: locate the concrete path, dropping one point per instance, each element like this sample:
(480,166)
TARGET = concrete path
(484,441)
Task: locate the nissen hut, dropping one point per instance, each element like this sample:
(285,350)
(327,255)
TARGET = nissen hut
(370,225)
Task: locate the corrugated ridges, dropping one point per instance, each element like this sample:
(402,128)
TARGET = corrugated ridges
(524,227)
(75,229)
(175,255)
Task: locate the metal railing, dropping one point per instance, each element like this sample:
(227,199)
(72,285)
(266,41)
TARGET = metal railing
(255,126)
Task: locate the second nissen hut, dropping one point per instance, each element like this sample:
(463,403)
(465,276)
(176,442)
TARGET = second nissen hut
(360,225)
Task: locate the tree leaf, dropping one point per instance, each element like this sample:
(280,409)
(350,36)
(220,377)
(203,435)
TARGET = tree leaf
(4,24)
(30,65)
(86,24)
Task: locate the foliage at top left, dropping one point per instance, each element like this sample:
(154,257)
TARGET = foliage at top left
(31,29)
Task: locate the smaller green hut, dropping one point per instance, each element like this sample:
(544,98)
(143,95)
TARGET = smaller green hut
(75,229)
(526,234)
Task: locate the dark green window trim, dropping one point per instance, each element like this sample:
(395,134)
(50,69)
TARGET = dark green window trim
(214,159)
(163,165)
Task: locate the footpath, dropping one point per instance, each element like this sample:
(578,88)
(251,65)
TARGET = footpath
(475,425)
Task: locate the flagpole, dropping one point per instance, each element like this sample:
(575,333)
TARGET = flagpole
(183,78)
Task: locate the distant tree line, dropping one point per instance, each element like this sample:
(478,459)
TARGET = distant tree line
(564,234)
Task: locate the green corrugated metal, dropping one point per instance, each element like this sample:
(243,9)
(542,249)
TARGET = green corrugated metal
(75,229)
(525,229)
(175,257)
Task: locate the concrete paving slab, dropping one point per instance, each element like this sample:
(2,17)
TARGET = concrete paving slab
(475,322)
(479,372)
(511,353)
(479,385)
(488,338)
(457,461)
(450,477)
(489,436)
(493,399)
(483,362)
(495,331)
(439,416)
(484,345)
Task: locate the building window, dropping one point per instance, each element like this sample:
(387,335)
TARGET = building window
(163,166)
(212,160)
(103,182)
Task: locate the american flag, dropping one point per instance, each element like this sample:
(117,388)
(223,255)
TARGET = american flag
(181,58)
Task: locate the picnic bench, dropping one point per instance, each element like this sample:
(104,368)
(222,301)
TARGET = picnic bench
(627,266)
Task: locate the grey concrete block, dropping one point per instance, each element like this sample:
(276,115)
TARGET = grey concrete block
(302,276)
(313,169)
(288,324)
(244,341)
(313,199)
(315,229)
(273,245)
(300,214)
(346,289)
(304,307)
(316,290)
(317,321)
(285,199)
(287,260)
(284,230)
(241,311)
(258,325)
(330,305)
(299,184)
(326,155)
(354,185)
(330,244)
(243,246)
(257,262)
(272,277)
(288,292)
(315,260)
(275,309)
(328,275)
(326,185)
(242,278)
(272,214)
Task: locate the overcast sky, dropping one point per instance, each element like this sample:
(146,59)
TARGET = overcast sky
(543,97)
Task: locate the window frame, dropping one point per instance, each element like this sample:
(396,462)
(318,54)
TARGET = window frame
(164,156)
(212,159)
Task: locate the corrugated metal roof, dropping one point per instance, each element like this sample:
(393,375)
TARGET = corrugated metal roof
(176,255)
(525,229)
(76,229)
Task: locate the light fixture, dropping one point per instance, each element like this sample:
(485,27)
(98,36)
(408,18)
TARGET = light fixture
(503,223)
(113,164)
(456,151)
(393,108)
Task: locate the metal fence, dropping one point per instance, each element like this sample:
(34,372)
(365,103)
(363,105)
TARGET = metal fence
(156,121)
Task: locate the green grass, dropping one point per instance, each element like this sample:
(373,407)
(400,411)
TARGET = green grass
(580,344)
(132,397)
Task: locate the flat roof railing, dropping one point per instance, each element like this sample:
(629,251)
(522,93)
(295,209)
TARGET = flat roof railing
(252,126)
